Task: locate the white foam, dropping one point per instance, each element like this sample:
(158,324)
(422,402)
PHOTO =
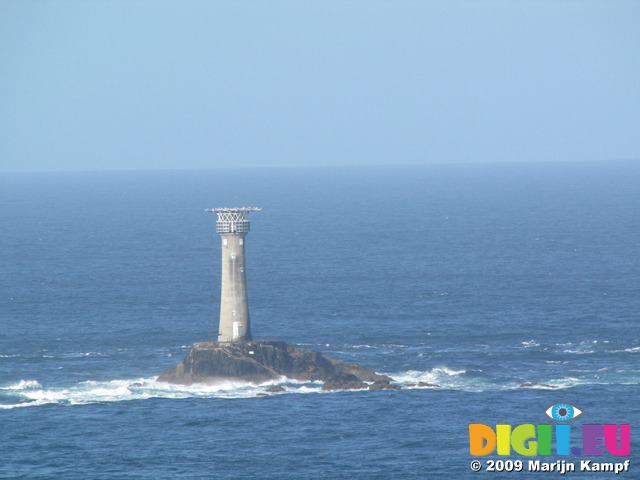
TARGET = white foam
(389,345)
(24,385)
(33,394)
(626,350)
(443,376)
(569,382)
(583,342)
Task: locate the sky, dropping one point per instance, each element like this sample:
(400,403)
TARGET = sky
(161,84)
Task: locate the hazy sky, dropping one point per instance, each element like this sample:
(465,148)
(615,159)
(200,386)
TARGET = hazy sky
(170,84)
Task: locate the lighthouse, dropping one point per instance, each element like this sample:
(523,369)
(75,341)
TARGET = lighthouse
(233,226)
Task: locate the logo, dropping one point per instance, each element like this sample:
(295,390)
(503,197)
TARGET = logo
(540,439)
(563,412)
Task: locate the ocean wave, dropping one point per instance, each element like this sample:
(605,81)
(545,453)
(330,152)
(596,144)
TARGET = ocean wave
(627,350)
(31,393)
(569,382)
(24,385)
(378,346)
(583,342)
(444,377)
(600,377)
(25,393)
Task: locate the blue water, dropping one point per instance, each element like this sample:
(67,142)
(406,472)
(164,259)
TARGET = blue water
(478,278)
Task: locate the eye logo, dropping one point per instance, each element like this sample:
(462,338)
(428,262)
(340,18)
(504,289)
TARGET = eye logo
(563,412)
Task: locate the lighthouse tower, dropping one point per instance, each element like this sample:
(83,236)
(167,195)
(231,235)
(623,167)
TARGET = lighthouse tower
(233,225)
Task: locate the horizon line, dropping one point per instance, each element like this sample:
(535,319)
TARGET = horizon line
(318,166)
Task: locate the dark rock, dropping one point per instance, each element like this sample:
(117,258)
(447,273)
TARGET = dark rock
(384,385)
(428,385)
(344,381)
(275,389)
(210,362)
(537,385)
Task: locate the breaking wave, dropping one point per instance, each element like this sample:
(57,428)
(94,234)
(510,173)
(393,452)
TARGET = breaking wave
(437,374)
(628,350)
(28,393)
(25,385)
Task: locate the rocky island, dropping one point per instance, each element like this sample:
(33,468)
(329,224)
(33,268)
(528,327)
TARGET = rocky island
(258,362)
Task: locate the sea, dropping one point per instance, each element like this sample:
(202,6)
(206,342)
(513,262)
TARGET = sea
(511,286)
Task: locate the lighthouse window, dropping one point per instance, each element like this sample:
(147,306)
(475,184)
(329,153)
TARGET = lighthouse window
(224,241)
(240,241)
